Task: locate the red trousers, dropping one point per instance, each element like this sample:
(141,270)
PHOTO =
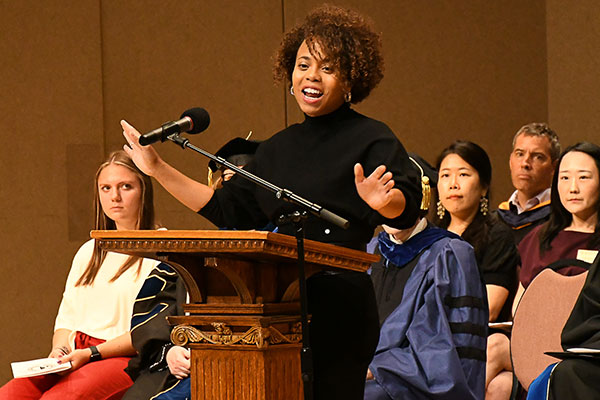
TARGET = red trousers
(100,380)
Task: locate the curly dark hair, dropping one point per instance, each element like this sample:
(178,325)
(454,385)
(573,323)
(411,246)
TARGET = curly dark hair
(348,41)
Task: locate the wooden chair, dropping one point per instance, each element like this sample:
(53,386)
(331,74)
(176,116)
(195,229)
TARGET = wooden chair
(539,320)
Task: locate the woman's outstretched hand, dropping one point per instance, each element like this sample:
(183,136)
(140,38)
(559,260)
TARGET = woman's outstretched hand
(145,157)
(377,190)
(189,192)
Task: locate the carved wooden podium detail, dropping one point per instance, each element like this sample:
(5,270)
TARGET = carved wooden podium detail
(181,335)
(242,321)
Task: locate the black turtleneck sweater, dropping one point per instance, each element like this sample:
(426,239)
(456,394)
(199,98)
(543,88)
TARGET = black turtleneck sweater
(315,160)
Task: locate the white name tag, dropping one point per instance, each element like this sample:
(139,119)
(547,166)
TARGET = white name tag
(587,255)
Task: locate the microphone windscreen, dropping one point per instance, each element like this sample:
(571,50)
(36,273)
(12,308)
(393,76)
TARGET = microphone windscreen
(200,119)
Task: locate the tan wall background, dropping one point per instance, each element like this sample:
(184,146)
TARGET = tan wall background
(68,73)
(573,65)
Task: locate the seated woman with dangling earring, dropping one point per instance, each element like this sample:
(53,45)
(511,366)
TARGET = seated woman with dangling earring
(465,174)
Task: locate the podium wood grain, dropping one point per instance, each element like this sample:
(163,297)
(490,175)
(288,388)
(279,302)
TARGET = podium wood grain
(243,317)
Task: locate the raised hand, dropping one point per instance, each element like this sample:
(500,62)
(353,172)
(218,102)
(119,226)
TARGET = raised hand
(145,157)
(376,189)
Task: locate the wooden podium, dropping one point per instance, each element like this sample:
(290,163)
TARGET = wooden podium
(242,321)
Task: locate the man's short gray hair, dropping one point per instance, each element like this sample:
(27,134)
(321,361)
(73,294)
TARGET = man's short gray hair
(541,129)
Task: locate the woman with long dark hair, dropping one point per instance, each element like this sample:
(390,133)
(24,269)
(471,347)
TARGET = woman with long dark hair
(573,231)
(465,175)
(573,225)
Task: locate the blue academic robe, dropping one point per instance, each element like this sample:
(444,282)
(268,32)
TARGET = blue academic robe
(432,346)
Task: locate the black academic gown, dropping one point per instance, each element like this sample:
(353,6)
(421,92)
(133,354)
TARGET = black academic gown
(162,295)
(579,378)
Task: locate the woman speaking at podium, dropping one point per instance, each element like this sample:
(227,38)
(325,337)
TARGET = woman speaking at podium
(346,162)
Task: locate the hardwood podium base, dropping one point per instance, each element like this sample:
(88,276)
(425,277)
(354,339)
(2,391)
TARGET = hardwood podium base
(246,373)
(241,357)
(242,322)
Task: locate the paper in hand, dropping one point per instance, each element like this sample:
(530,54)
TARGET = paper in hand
(42,366)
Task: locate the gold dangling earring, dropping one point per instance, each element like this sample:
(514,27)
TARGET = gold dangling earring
(348,97)
(292,90)
(441,211)
(484,205)
(210,177)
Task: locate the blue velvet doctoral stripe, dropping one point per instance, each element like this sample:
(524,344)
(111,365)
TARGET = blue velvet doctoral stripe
(139,319)
(469,327)
(402,254)
(153,284)
(517,221)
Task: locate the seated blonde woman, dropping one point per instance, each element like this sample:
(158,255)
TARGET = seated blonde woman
(92,329)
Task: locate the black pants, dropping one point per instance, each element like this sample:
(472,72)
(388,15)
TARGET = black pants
(344,331)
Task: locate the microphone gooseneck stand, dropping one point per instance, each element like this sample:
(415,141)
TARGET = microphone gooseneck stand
(297,218)
(280,193)
(306,359)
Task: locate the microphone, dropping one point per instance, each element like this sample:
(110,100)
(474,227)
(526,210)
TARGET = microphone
(194,120)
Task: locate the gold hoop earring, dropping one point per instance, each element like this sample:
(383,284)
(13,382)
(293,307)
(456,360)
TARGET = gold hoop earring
(348,97)
(292,90)
(441,211)
(484,205)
